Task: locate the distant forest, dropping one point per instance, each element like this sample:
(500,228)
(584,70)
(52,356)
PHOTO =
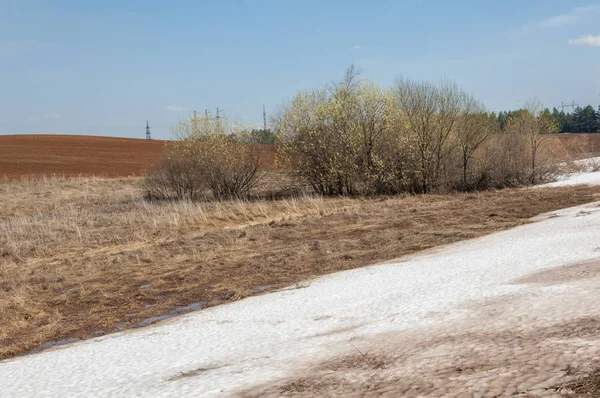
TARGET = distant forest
(581,120)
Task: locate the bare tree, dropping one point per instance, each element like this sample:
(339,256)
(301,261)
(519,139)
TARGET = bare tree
(428,113)
(537,126)
(474,127)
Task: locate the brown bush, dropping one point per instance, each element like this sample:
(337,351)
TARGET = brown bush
(418,137)
(205,158)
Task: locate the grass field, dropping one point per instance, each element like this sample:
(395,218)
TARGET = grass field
(86,256)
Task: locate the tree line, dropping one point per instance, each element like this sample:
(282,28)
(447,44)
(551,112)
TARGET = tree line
(354,137)
(581,120)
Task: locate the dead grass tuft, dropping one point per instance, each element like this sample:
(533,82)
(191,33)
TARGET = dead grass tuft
(364,361)
(585,386)
(309,386)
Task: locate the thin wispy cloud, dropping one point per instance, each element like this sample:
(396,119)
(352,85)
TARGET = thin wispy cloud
(175,108)
(51,115)
(46,116)
(586,40)
(575,15)
(356,47)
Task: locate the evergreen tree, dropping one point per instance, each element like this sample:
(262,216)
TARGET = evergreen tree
(586,119)
(502,120)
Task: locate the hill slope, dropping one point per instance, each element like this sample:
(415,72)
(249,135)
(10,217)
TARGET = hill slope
(22,155)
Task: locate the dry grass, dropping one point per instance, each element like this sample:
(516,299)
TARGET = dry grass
(85,256)
(583,386)
(581,145)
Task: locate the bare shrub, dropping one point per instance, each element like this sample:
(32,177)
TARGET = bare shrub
(473,129)
(205,156)
(537,126)
(230,169)
(174,177)
(428,114)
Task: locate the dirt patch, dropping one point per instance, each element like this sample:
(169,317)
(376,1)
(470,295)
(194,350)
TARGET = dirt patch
(74,155)
(309,386)
(586,270)
(336,331)
(509,355)
(79,155)
(360,360)
(194,372)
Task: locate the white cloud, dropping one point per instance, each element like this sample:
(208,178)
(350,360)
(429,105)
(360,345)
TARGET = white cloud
(356,47)
(51,115)
(575,15)
(586,40)
(175,108)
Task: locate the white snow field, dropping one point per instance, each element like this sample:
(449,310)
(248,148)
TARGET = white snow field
(457,319)
(586,177)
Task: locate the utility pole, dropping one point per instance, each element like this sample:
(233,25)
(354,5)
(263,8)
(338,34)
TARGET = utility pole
(148,135)
(218,122)
(264,119)
(194,123)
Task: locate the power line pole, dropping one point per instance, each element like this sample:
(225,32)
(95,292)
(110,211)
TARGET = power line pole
(264,119)
(573,105)
(194,123)
(562,106)
(148,135)
(218,122)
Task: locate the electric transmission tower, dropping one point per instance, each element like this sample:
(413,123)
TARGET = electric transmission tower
(572,105)
(148,134)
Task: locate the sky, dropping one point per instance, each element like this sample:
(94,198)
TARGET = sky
(105,67)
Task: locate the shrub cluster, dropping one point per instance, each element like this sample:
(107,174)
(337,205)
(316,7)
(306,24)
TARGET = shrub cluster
(354,137)
(204,161)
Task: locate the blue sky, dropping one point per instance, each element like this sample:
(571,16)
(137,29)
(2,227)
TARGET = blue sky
(103,68)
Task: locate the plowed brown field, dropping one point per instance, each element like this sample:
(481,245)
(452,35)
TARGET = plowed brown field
(69,155)
(72,155)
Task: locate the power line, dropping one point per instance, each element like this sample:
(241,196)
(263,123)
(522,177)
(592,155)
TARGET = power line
(572,105)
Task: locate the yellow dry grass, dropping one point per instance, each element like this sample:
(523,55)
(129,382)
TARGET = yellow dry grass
(83,256)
